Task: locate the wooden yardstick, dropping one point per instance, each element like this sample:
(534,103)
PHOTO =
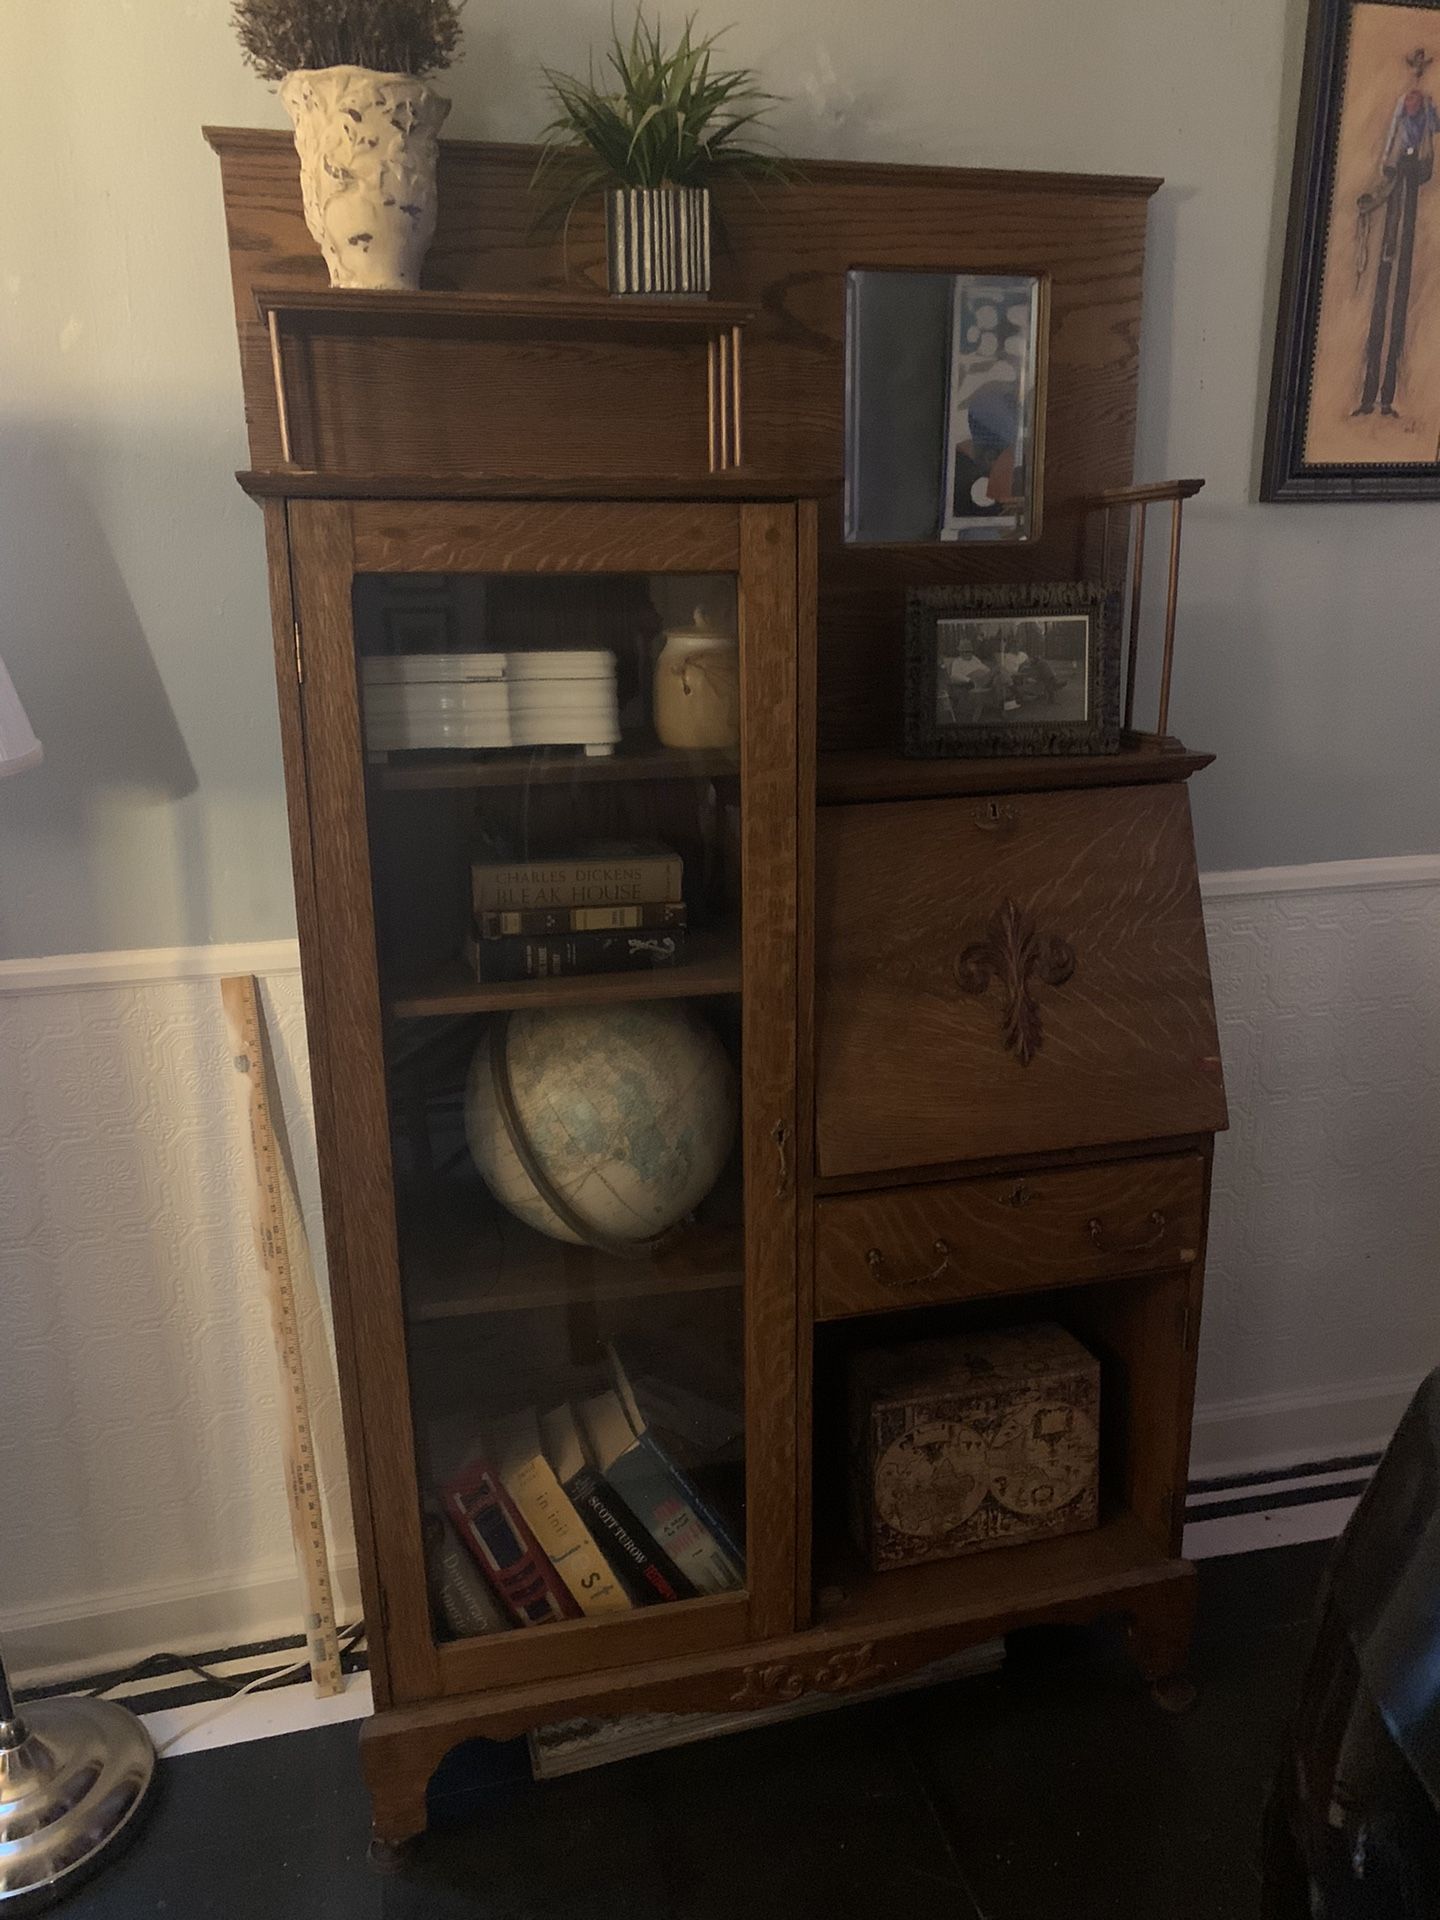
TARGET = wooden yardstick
(302,1482)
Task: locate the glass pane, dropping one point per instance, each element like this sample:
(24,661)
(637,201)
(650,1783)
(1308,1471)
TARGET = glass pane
(944,406)
(554,805)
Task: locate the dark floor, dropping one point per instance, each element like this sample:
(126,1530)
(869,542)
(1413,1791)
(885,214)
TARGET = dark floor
(1052,1791)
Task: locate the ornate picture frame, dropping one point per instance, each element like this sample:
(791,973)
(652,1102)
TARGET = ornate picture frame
(1011,670)
(1355,388)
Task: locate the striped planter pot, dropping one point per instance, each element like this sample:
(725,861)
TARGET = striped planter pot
(658,240)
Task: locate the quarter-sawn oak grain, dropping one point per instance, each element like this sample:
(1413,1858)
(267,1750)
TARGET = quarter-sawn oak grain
(913,1069)
(1015,1234)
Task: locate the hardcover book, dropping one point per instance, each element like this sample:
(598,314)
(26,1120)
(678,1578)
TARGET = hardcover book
(606,874)
(464,1598)
(548,1511)
(660,1495)
(648,1575)
(490,1525)
(544,921)
(533,957)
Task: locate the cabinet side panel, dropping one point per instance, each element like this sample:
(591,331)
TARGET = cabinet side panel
(358,1143)
(297,799)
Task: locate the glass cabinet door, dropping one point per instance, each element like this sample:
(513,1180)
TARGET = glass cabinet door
(570,862)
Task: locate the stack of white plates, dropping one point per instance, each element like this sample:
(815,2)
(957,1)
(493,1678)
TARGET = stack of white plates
(436,700)
(460,700)
(563,699)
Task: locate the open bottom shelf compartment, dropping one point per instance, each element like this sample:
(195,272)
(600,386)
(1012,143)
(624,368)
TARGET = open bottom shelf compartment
(995,1591)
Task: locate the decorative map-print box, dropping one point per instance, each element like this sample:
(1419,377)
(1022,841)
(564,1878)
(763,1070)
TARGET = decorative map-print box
(972,1442)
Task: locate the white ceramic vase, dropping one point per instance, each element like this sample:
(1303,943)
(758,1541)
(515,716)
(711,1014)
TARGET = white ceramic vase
(697,689)
(367,144)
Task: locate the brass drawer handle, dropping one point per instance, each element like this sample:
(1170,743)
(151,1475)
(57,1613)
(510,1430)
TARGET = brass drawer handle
(875,1260)
(996,817)
(1155,1222)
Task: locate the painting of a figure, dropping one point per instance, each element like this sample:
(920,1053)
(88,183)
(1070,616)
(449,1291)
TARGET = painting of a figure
(1356,411)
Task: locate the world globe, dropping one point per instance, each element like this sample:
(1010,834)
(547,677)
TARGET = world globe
(627,1112)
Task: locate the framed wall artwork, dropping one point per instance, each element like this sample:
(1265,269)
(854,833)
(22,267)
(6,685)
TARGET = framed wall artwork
(1355,396)
(945,406)
(1011,670)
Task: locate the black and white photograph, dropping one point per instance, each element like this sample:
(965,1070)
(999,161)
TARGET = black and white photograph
(997,670)
(990,671)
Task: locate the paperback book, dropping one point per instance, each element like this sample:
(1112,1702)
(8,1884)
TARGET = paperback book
(506,1550)
(648,1574)
(552,1518)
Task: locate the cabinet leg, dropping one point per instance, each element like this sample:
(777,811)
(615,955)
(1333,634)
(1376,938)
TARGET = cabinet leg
(1160,1629)
(397,1773)
(383,1857)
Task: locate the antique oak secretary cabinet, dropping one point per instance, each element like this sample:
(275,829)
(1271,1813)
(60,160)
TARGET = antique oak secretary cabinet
(515,455)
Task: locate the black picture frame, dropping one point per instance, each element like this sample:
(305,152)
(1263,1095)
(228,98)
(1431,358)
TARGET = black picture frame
(931,735)
(1285,473)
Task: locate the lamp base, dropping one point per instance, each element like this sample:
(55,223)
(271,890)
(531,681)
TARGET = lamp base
(74,1776)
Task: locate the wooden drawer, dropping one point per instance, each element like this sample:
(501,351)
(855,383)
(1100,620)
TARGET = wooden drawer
(963,1239)
(1010,975)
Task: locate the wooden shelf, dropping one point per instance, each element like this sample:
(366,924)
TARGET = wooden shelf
(712,966)
(467,1258)
(734,483)
(565,767)
(485,365)
(339,310)
(877,775)
(1002,1585)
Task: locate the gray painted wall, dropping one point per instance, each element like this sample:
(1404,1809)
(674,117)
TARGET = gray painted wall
(134,617)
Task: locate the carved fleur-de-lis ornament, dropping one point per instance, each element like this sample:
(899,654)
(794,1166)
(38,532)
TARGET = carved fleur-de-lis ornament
(1019,956)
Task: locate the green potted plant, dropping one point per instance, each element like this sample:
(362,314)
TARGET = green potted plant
(652,133)
(351,76)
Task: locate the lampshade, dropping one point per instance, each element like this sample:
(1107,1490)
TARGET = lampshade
(18,746)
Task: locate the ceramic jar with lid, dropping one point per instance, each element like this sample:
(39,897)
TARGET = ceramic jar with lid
(697,688)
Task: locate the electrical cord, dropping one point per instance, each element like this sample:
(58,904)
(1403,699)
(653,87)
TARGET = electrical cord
(260,1683)
(155,1665)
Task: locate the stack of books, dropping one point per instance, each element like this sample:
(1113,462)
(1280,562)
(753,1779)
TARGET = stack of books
(583,1510)
(607,908)
(551,697)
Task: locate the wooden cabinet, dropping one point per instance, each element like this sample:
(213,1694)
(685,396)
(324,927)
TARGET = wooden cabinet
(964,1007)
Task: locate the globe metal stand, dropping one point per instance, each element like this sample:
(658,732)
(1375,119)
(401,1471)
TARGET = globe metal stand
(75,1775)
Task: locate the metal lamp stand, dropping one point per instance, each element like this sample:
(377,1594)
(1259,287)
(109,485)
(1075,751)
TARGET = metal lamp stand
(74,1776)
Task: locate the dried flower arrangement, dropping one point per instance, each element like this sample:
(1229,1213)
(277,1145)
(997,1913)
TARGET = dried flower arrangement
(386,36)
(658,118)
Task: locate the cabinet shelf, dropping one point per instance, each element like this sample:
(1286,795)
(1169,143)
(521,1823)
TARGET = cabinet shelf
(1003,1584)
(874,774)
(463,1257)
(569,768)
(711,966)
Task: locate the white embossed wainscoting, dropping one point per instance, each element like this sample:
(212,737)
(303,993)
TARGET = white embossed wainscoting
(141,1504)
(1323,1288)
(140,1497)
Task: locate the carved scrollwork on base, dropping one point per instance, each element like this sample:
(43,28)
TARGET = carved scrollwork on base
(778,1681)
(1017,954)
